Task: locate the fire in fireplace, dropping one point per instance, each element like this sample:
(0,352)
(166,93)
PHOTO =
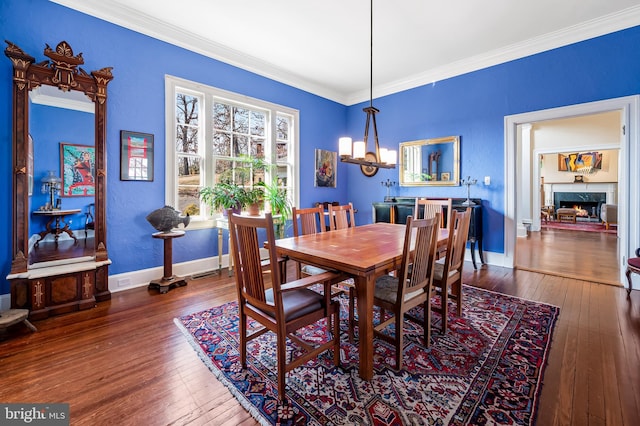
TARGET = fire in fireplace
(587,203)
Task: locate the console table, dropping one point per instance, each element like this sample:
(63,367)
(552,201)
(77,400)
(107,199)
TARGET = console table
(57,229)
(396,210)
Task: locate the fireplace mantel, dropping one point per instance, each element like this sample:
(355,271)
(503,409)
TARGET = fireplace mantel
(610,188)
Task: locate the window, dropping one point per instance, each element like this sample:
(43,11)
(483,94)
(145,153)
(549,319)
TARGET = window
(208,129)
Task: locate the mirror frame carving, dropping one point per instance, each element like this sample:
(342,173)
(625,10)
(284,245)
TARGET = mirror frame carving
(61,70)
(455,167)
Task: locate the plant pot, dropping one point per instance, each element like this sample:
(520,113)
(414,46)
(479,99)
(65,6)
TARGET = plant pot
(254,209)
(235,210)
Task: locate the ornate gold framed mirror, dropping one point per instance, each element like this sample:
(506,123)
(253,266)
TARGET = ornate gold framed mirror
(430,162)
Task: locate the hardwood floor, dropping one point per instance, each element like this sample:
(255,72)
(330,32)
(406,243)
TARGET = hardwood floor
(591,256)
(126,363)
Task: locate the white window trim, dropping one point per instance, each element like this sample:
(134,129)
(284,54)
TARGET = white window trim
(171,84)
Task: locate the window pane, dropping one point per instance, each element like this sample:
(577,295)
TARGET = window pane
(224,171)
(186,109)
(257,148)
(221,116)
(222,144)
(282,128)
(282,175)
(258,120)
(187,139)
(240,120)
(282,152)
(242,173)
(240,145)
(258,176)
(188,184)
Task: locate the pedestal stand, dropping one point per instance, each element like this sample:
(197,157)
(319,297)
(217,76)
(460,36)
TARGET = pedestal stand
(168,281)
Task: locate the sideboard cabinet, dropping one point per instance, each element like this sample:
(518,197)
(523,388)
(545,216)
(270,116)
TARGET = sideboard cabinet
(396,210)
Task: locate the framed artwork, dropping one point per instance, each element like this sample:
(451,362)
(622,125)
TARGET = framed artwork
(136,156)
(325,168)
(579,161)
(78,170)
(445,176)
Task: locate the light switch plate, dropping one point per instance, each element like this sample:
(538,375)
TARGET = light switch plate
(487,180)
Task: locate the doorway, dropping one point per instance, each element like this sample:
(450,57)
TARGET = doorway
(519,175)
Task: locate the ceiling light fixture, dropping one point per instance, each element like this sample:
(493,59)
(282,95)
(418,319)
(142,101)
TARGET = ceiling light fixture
(357,153)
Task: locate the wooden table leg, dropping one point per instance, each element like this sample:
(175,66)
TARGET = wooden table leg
(364,290)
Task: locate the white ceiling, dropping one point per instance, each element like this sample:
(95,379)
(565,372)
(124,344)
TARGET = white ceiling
(323,46)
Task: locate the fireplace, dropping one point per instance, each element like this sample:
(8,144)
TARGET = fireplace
(588,201)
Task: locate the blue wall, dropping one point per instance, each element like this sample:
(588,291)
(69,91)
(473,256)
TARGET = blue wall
(136,102)
(471,106)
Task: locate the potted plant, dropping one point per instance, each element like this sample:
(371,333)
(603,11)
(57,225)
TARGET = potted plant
(223,196)
(252,199)
(241,194)
(276,197)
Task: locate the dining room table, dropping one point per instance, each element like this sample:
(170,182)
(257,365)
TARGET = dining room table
(365,253)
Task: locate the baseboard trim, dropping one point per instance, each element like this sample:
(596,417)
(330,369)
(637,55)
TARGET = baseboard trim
(143,277)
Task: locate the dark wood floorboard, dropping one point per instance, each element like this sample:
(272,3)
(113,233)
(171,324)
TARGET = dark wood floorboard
(125,362)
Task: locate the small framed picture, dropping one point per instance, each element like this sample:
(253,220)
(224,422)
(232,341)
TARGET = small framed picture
(445,176)
(136,156)
(325,168)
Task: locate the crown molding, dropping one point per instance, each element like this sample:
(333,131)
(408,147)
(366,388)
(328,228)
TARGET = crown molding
(129,18)
(621,20)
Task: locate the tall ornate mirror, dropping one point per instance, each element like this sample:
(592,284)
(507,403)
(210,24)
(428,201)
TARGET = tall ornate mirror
(59,176)
(430,162)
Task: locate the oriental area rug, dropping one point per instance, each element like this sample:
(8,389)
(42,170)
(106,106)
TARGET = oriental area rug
(487,368)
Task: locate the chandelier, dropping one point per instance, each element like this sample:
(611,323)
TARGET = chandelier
(357,153)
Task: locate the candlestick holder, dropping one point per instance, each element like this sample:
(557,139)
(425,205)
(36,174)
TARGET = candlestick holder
(388,183)
(468,181)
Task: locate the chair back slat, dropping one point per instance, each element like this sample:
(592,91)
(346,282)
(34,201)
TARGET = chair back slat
(420,260)
(457,243)
(341,217)
(250,279)
(427,207)
(307,221)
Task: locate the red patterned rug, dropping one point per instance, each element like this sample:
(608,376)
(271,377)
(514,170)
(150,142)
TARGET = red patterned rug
(487,369)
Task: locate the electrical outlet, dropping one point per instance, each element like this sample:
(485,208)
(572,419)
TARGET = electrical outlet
(487,180)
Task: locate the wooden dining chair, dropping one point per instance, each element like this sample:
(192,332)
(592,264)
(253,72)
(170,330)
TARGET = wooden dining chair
(428,207)
(310,221)
(341,217)
(307,221)
(411,286)
(447,279)
(280,308)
